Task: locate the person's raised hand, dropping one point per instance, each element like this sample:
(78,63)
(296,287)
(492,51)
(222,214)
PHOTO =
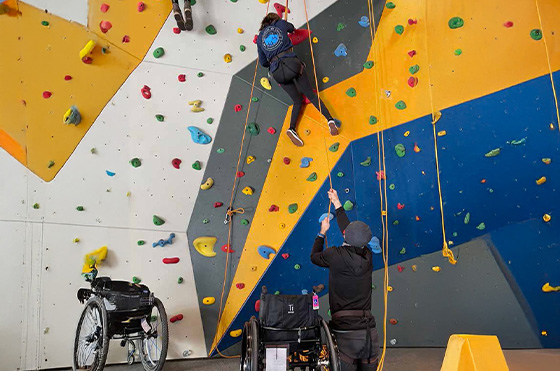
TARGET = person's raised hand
(333,196)
(325,225)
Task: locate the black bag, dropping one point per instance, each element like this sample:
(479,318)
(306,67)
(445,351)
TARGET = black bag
(123,296)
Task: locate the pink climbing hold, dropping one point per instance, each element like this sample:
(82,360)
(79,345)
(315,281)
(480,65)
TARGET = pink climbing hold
(218,204)
(412,81)
(176,318)
(240,286)
(237,107)
(271,130)
(126,39)
(412,21)
(380,174)
(508,24)
(412,53)
(285,256)
(400,268)
(182,77)
(47,94)
(174,260)
(104,8)
(141,6)
(258,305)
(226,248)
(105,26)
(273,208)
(67,77)
(255,39)
(280,9)
(176,30)
(299,36)
(240,174)
(146,92)
(287,160)
(400,206)
(176,163)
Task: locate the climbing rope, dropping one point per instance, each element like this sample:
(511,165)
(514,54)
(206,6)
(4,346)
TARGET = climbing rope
(549,65)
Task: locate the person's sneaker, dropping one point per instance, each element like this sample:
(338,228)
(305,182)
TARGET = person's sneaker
(179,17)
(294,137)
(332,127)
(188,15)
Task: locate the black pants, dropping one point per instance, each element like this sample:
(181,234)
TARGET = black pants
(295,84)
(353,345)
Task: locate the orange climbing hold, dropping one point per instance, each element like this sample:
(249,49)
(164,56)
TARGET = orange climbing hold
(416,148)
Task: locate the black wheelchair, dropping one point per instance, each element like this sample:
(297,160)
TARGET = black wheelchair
(291,324)
(123,311)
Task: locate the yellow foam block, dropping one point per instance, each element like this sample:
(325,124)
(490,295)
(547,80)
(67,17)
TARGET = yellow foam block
(474,353)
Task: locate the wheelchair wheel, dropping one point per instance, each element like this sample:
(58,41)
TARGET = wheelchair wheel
(331,349)
(250,346)
(153,345)
(92,340)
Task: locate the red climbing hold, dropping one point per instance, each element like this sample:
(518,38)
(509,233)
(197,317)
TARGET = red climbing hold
(146,92)
(182,77)
(104,8)
(240,174)
(483,181)
(393,321)
(176,30)
(271,130)
(285,256)
(255,39)
(237,107)
(126,39)
(240,286)
(280,9)
(105,26)
(400,268)
(141,6)
(47,94)
(176,318)
(67,77)
(298,36)
(273,208)
(87,60)
(218,204)
(412,81)
(412,21)
(287,161)
(412,53)
(258,305)
(400,206)
(508,24)
(174,260)
(176,163)
(227,248)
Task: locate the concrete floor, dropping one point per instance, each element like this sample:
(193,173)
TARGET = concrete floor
(397,359)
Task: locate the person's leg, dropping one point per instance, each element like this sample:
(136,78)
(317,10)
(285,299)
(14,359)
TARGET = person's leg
(178,15)
(188,15)
(373,352)
(284,76)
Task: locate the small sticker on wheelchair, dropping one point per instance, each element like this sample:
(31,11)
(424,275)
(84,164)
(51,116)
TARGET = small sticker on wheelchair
(315,302)
(277,358)
(145,325)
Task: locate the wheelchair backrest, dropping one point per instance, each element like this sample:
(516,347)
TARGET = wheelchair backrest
(287,311)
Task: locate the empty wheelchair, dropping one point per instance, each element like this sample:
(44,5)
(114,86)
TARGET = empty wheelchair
(290,333)
(123,311)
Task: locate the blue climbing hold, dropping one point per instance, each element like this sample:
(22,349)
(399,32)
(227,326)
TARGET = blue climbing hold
(305,162)
(110,173)
(304,292)
(331,216)
(364,21)
(198,136)
(265,251)
(374,245)
(163,242)
(341,51)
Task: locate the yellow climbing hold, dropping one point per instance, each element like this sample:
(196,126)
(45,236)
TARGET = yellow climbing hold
(263,1)
(414,267)
(94,258)
(436,268)
(325,79)
(442,133)
(235,333)
(282,225)
(389,288)
(315,40)
(227,58)
(205,246)
(208,300)
(253,268)
(547,288)
(87,49)
(265,83)
(541,180)
(196,105)
(406,133)
(247,191)
(546,218)
(207,185)
(240,30)
(250,159)
(436,116)
(544,333)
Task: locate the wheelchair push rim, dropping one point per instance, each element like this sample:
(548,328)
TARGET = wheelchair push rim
(92,341)
(153,344)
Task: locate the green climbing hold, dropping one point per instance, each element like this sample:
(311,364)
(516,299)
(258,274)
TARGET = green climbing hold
(493,153)
(292,208)
(373,287)
(454,234)
(340,26)
(105,50)
(458,52)
(35,205)
(403,251)
(297,266)
(159,52)
(180,280)
(413,69)
(153,318)
(50,164)
(351,92)
(220,150)
(467,218)
(368,64)
(157,220)
(80,208)
(396,222)
(334,147)
(399,29)
(312,177)
(536,34)
(481,226)
(244,222)
(390,5)
(348,205)
(276,292)
(253,129)
(392,187)
(255,99)
(372,120)
(140,242)
(160,117)
(211,30)
(210,120)
(456,22)
(242,48)
(366,162)
(400,150)
(196,165)
(93,150)
(233,1)
(490,190)
(135,162)
(193,2)
(136,280)
(45,23)
(205,221)
(340,174)
(400,105)
(200,74)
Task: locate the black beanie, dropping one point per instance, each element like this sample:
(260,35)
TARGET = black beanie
(357,234)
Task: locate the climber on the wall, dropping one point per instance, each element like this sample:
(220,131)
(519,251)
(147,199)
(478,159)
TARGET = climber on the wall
(276,53)
(350,278)
(185,24)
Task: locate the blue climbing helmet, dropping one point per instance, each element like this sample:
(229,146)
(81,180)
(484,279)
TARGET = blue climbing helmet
(357,234)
